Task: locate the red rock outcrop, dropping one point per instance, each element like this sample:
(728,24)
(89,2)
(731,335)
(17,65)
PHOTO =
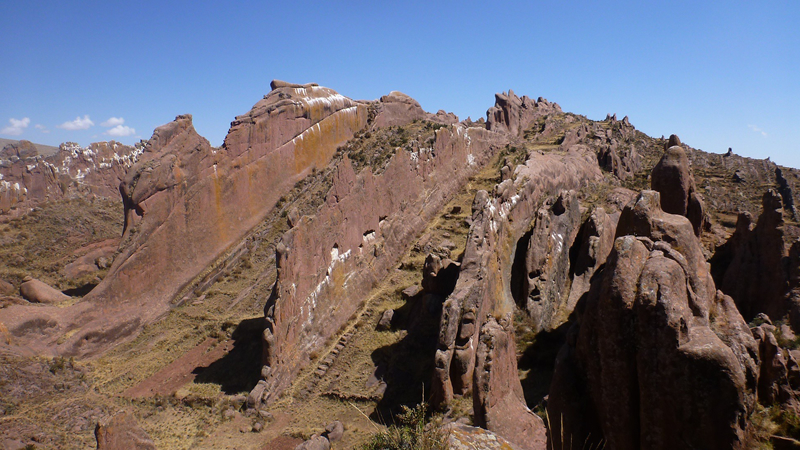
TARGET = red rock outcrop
(93,171)
(182,193)
(121,432)
(658,359)
(483,289)
(513,115)
(614,142)
(545,277)
(327,262)
(673,178)
(500,405)
(750,265)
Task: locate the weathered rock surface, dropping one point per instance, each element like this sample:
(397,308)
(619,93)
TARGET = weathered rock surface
(36,291)
(316,442)
(750,266)
(544,286)
(658,358)
(439,276)
(673,178)
(184,191)
(7,288)
(514,115)
(327,262)
(121,432)
(27,178)
(614,142)
(483,289)
(465,437)
(500,404)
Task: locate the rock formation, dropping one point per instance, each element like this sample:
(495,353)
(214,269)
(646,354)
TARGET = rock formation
(750,266)
(673,178)
(544,281)
(483,288)
(514,115)
(657,359)
(183,190)
(28,178)
(329,261)
(500,404)
(121,432)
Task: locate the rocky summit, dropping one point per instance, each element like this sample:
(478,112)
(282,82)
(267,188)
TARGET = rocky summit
(345,273)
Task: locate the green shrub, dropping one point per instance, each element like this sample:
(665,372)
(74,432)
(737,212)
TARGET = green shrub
(412,433)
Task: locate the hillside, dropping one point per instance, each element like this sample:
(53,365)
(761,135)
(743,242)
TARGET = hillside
(536,274)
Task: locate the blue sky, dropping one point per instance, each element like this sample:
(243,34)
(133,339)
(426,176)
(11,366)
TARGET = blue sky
(718,74)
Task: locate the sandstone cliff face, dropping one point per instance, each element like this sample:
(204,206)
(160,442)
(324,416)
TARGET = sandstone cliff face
(27,178)
(658,358)
(184,192)
(328,262)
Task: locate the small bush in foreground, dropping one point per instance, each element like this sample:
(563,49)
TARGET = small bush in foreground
(412,433)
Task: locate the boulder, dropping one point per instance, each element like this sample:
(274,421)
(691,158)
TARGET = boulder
(121,432)
(773,380)
(334,431)
(7,288)
(316,442)
(397,108)
(36,291)
(657,358)
(385,323)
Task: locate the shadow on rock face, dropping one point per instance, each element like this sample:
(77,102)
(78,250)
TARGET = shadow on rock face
(80,291)
(539,361)
(407,366)
(240,369)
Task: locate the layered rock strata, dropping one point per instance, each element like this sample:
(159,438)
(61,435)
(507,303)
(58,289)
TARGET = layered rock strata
(328,262)
(184,191)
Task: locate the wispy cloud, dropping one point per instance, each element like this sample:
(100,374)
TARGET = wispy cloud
(121,131)
(41,128)
(16,127)
(113,122)
(77,124)
(757,130)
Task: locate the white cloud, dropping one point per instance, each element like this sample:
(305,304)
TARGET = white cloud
(78,124)
(41,128)
(113,122)
(757,130)
(17,126)
(121,131)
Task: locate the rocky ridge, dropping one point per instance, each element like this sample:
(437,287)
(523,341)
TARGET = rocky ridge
(540,255)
